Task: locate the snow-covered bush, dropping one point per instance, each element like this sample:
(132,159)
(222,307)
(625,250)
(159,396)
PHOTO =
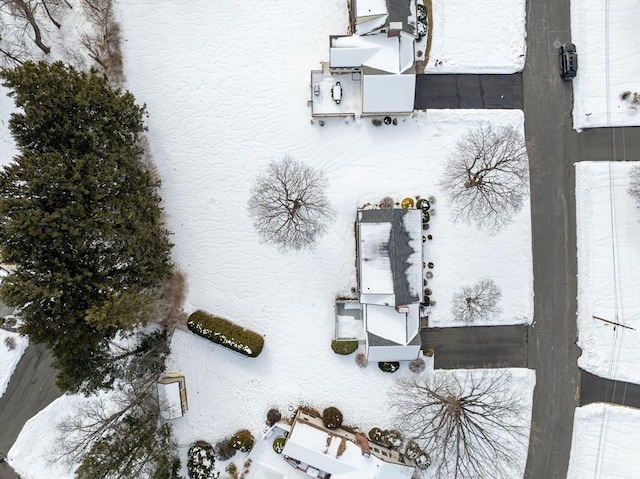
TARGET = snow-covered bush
(226,333)
(412,450)
(361,360)
(201,461)
(422,461)
(242,441)
(332,417)
(375,434)
(10,343)
(278,444)
(392,438)
(417,366)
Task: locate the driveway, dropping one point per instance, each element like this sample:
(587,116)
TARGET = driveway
(478,346)
(468,91)
(596,389)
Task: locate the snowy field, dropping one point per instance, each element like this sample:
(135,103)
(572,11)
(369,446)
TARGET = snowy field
(221,107)
(9,357)
(608,234)
(606,35)
(606,441)
(483,36)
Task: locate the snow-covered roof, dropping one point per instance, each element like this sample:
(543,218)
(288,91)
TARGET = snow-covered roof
(169,397)
(379,52)
(388,93)
(387,323)
(366,8)
(375,260)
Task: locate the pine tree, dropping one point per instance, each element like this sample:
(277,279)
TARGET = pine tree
(80,215)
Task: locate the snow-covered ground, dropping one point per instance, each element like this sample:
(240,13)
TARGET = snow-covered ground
(606,441)
(223,105)
(9,357)
(606,35)
(483,36)
(608,235)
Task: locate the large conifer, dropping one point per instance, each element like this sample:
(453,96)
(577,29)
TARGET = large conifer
(80,216)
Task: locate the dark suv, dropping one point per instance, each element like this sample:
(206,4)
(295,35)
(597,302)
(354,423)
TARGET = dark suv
(568,61)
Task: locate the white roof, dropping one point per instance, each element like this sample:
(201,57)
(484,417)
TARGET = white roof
(169,397)
(375,264)
(388,93)
(385,322)
(308,444)
(365,8)
(380,52)
(413,226)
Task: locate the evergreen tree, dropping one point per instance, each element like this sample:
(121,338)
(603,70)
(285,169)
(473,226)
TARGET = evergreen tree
(80,217)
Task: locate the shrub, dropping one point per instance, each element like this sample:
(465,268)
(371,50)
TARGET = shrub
(423,460)
(375,434)
(278,444)
(273,416)
(389,367)
(428,352)
(429,274)
(344,347)
(417,366)
(231,469)
(423,204)
(223,450)
(361,360)
(332,417)
(412,450)
(242,441)
(10,343)
(376,122)
(392,438)
(386,202)
(226,333)
(201,461)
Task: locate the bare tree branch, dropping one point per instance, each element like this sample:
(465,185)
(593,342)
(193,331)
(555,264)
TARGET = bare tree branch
(288,204)
(486,177)
(470,422)
(476,302)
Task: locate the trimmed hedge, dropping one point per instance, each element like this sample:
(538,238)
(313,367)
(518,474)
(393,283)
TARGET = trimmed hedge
(226,333)
(344,347)
(332,417)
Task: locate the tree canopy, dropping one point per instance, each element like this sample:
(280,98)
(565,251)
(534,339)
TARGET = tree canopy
(80,216)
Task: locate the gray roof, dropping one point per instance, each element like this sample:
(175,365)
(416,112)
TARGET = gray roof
(399,249)
(399,11)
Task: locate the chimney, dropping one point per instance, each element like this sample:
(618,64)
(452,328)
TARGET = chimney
(363,442)
(402,308)
(394,29)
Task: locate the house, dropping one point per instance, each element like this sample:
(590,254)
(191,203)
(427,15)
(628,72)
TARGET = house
(340,454)
(172,395)
(375,66)
(389,261)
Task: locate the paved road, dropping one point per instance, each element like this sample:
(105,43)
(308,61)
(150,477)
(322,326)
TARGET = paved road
(468,91)
(30,390)
(609,144)
(478,346)
(552,147)
(597,389)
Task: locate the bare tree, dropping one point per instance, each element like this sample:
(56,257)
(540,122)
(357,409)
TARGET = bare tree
(288,204)
(470,422)
(486,177)
(476,302)
(634,183)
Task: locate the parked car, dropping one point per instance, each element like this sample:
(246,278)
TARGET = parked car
(568,61)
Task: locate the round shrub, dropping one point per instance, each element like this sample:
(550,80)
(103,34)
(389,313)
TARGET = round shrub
(423,204)
(432,199)
(393,438)
(361,360)
(430,265)
(375,434)
(422,460)
(412,450)
(332,417)
(242,441)
(417,366)
(278,444)
(386,202)
(273,416)
(201,461)
(429,274)
(231,468)
(344,348)
(223,450)
(389,367)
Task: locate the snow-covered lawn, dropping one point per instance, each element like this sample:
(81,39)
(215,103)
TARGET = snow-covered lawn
(608,235)
(224,101)
(606,441)
(606,35)
(483,36)
(10,357)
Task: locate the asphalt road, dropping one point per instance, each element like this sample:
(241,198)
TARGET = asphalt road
(30,390)
(478,346)
(468,91)
(597,389)
(551,144)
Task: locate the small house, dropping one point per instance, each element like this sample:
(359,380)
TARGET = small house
(172,395)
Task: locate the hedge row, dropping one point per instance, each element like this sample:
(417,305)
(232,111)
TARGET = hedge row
(226,333)
(344,347)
